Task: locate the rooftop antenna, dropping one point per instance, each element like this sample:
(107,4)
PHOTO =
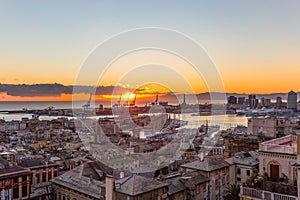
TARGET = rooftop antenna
(133,102)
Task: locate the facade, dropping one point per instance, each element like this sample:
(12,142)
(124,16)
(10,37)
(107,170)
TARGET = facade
(265,102)
(271,126)
(235,143)
(241,100)
(253,102)
(216,170)
(241,166)
(15,181)
(292,100)
(232,100)
(42,173)
(278,102)
(188,186)
(279,161)
(277,156)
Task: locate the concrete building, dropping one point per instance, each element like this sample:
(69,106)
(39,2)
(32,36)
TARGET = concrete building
(42,173)
(216,170)
(277,156)
(188,186)
(241,100)
(278,102)
(279,161)
(253,102)
(292,100)
(232,100)
(235,143)
(265,102)
(271,126)
(15,181)
(241,166)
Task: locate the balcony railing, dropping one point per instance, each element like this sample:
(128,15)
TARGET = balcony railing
(262,194)
(278,148)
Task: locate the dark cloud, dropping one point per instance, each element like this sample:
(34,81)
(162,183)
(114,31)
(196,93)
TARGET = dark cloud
(40,90)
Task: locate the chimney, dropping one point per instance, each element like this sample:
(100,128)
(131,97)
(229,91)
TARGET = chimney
(202,156)
(122,174)
(109,187)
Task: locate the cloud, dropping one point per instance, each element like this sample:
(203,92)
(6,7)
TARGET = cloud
(55,90)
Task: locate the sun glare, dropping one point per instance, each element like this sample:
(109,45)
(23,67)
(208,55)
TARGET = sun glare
(127,96)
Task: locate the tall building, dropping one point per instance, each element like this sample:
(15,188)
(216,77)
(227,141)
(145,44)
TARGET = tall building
(253,102)
(278,102)
(241,100)
(292,100)
(265,102)
(232,100)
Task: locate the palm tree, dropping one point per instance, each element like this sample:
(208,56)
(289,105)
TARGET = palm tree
(232,192)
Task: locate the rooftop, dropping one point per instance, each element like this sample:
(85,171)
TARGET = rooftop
(286,145)
(207,165)
(135,185)
(87,178)
(244,158)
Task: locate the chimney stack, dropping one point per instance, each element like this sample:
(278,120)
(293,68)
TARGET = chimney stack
(122,174)
(109,187)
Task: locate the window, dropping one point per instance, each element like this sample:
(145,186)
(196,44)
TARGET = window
(24,191)
(239,179)
(44,179)
(204,188)
(238,171)
(16,180)
(127,197)
(16,192)
(154,194)
(217,183)
(198,189)
(248,172)
(227,179)
(165,189)
(223,180)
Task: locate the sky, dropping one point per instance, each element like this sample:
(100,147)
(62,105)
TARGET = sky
(255,44)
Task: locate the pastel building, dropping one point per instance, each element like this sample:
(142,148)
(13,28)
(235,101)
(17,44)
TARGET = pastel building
(279,161)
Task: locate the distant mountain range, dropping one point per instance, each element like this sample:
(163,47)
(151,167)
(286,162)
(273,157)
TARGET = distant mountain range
(27,90)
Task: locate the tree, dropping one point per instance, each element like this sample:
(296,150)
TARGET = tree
(232,192)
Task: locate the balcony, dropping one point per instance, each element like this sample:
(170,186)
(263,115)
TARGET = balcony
(262,194)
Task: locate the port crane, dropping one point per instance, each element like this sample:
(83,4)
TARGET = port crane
(87,105)
(156,101)
(133,102)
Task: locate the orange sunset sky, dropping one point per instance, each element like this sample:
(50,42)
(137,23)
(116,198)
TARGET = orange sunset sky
(255,48)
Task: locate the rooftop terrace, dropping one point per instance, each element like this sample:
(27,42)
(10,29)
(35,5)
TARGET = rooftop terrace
(286,145)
